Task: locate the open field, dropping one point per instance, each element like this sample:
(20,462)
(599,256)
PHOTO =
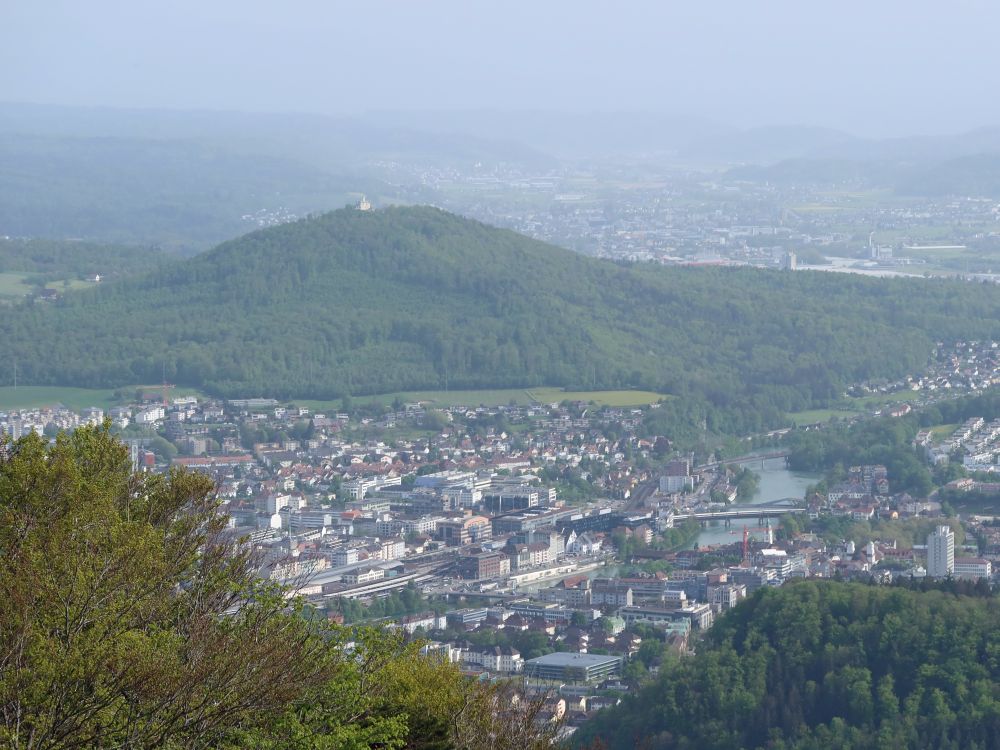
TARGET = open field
(816,208)
(13,286)
(881,399)
(28,396)
(942,431)
(851,407)
(497,397)
(814,416)
(601,398)
(862,197)
(433,398)
(36,396)
(70,285)
(33,396)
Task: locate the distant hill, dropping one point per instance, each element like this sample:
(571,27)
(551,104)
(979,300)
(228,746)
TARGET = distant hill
(357,302)
(186,181)
(803,171)
(768,144)
(67,259)
(181,195)
(973,175)
(331,144)
(977,175)
(765,146)
(571,135)
(821,664)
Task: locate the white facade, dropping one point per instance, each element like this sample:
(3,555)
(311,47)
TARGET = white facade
(973,567)
(941,552)
(347,556)
(676,483)
(150,415)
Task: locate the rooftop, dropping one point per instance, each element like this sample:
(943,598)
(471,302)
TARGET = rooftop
(569,659)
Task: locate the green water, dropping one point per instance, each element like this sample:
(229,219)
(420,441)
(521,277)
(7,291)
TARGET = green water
(777,482)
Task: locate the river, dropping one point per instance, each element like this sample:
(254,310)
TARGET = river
(777,482)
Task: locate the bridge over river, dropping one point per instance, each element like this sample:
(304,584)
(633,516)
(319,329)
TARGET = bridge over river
(734,512)
(752,459)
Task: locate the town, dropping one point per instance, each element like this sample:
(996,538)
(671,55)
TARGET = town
(672,214)
(562,543)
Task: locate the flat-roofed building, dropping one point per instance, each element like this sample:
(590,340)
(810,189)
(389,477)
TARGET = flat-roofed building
(468,530)
(483,565)
(365,575)
(941,552)
(573,667)
(973,567)
(461,618)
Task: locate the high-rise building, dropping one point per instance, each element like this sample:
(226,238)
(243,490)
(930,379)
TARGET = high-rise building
(941,552)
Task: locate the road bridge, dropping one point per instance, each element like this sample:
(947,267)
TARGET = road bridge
(757,458)
(731,514)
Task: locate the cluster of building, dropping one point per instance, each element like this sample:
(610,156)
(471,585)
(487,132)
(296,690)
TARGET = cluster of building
(976,443)
(962,366)
(862,495)
(320,501)
(676,215)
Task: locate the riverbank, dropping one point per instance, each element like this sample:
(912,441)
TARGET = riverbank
(775,482)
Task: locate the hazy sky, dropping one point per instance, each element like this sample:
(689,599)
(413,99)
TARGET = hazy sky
(872,67)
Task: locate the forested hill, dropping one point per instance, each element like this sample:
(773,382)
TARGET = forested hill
(62,259)
(409,298)
(816,665)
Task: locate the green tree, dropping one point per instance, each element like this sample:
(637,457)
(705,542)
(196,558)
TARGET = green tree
(114,596)
(163,448)
(131,618)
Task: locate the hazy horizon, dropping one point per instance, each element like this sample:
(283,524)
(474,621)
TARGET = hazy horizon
(895,69)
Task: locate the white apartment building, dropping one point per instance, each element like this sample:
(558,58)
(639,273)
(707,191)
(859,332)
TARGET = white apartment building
(941,552)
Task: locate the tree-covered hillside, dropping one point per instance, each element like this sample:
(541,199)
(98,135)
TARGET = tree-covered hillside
(817,665)
(415,298)
(50,260)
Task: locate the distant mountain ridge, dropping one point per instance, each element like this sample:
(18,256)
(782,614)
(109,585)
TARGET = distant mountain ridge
(182,195)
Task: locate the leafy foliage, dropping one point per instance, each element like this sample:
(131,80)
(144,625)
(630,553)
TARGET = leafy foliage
(111,594)
(885,441)
(130,618)
(821,664)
